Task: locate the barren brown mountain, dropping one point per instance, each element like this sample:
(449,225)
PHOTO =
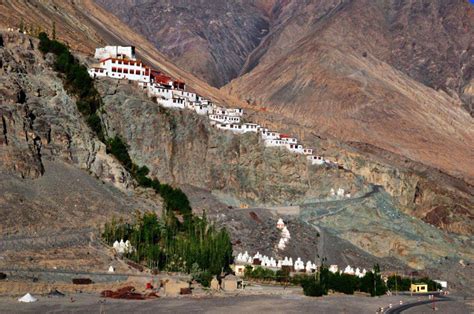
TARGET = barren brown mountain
(395,74)
(211,39)
(381,87)
(352,75)
(85,26)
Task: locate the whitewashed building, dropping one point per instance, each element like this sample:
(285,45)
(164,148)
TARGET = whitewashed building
(224,119)
(280,224)
(269,135)
(315,160)
(299,265)
(349,270)
(132,70)
(236,128)
(156,90)
(287,139)
(201,109)
(274,143)
(250,127)
(175,102)
(295,148)
(115,52)
(333,269)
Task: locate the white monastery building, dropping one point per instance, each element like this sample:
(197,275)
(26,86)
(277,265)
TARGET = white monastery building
(127,52)
(120,62)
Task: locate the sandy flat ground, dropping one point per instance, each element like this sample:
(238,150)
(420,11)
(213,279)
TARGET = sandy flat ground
(293,303)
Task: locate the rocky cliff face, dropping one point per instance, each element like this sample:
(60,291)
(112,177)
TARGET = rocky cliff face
(181,147)
(40,120)
(55,173)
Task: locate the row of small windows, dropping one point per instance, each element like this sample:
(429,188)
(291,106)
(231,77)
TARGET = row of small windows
(127,71)
(126,62)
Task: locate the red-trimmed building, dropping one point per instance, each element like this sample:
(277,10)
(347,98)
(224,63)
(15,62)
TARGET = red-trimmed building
(119,68)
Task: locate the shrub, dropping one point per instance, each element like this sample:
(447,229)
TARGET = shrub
(95,124)
(117,147)
(344,283)
(77,81)
(204,277)
(312,287)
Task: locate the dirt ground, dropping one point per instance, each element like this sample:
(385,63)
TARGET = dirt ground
(257,299)
(232,304)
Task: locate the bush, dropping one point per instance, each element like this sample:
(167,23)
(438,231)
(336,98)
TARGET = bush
(77,81)
(117,147)
(95,124)
(312,287)
(344,283)
(203,277)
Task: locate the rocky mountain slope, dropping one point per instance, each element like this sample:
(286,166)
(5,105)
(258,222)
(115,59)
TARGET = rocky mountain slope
(403,90)
(48,154)
(44,143)
(180,146)
(331,76)
(209,39)
(428,41)
(85,26)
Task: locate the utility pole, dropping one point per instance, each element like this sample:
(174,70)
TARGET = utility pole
(375,286)
(396,286)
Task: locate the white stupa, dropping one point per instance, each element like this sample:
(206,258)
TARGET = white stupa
(299,264)
(280,224)
(349,270)
(27,298)
(111,269)
(285,233)
(282,244)
(333,269)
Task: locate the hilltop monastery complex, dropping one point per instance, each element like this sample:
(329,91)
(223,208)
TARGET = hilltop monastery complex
(121,63)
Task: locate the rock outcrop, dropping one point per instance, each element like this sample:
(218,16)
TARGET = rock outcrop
(40,121)
(181,147)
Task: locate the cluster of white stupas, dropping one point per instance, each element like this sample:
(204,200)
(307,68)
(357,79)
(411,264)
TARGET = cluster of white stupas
(285,235)
(348,270)
(339,194)
(270,262)
(120,62)
(123,247)
(11,29)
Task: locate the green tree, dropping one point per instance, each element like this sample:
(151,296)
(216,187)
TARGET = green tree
(372,282)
